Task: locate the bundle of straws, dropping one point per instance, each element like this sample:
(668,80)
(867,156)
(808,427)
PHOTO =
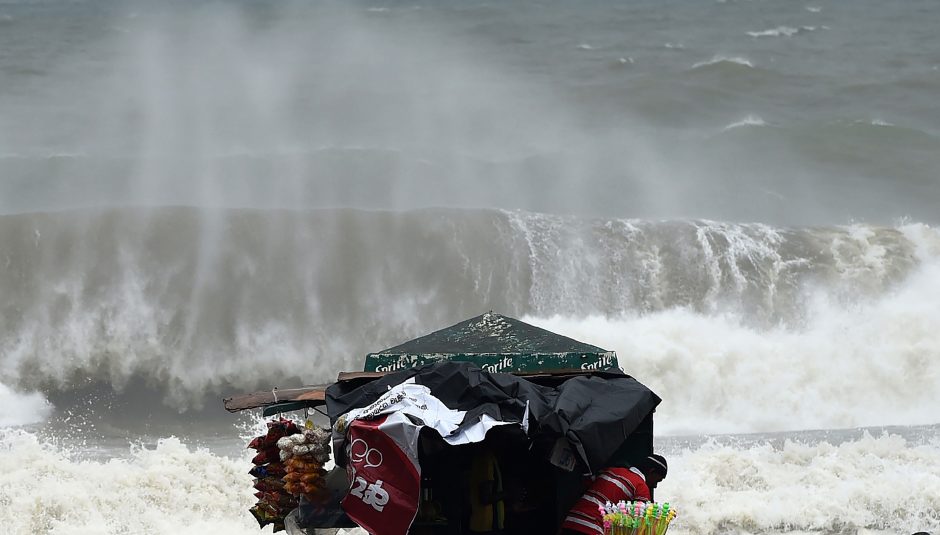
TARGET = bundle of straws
(636,518)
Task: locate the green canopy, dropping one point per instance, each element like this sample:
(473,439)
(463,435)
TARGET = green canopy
(496,343)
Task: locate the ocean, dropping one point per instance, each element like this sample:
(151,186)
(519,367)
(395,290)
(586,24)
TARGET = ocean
(206,198)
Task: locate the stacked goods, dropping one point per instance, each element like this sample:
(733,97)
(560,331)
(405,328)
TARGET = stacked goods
(304,455)
(274,502)
(636,518)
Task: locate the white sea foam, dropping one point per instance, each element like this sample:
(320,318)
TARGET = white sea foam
(18,408)
(170,489)
(813,9)
(750,120)
(873,363)
(875,483)
(718,487)
(584,46)
(786,31)
(782,31)
(724,59)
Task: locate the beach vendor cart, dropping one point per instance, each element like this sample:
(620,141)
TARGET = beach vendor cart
(486,426)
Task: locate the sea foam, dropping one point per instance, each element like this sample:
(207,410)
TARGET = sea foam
(801,487)
(876,362)
(717,487)
(186,321)
(750,120)
(782,31)
(737,60)
(17,408)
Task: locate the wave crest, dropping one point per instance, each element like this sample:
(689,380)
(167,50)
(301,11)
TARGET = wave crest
(725,60)
(782,31)
(196,302)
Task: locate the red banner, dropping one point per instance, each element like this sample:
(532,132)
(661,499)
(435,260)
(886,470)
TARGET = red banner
(384,484)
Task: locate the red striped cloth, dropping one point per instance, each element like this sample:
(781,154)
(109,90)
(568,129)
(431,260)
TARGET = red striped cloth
(611,485)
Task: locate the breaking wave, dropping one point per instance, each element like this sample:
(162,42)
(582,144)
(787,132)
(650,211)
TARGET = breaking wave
(724,60)
(196,303)
(750,120)
(782,31)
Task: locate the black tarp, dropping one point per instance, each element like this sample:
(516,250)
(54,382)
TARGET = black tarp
(595,414)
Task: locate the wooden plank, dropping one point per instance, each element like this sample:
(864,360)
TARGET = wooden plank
(314,394)
(352,376)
